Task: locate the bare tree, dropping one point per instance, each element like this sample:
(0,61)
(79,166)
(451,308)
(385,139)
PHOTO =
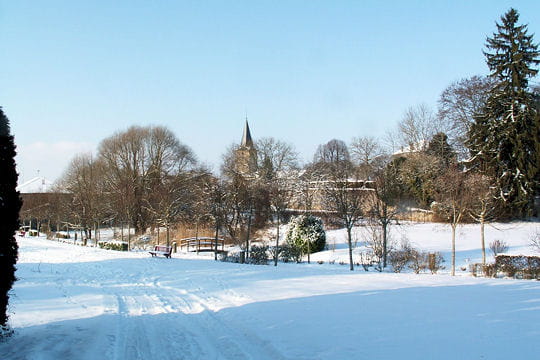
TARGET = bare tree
(281,156)
(334,151)
(452,202)
(459,103)
(367,154)
(383,200)
(483,205)
(84,180)
(277,170)
(137,161)
(418,126)
(345,198)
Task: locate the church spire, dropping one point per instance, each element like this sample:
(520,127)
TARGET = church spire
(247,141)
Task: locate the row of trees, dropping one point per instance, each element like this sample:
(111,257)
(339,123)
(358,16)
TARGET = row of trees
(483,138)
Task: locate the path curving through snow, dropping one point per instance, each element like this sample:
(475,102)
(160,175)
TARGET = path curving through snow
(73,302)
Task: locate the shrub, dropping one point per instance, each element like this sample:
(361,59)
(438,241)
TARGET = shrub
(118,246)
(419,261)
(258,255)
(435,261)
(231,257)
(290,253)
(525,266)
(306,231)
(399,258)
(498,247)
(535,240)
(366,260)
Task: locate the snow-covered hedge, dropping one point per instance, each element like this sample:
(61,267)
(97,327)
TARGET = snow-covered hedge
(113,245)
(518,265)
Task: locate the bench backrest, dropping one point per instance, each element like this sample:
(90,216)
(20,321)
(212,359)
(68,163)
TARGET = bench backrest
(163,248)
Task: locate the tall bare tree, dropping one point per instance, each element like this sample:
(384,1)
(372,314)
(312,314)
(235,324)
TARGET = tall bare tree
(383,200)
(452,201)
(483,205)
(137,161)
(459,103)
(277,173)
(341,192)
(84,180)
(417,127)
(367,154)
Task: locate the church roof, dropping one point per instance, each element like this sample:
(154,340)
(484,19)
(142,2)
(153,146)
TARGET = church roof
(36,185)
(247,141)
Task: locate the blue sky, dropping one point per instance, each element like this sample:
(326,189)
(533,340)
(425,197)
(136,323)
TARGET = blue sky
(74,72)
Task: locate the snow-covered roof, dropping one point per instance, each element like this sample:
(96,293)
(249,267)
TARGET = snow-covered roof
(36,185)
(412,148)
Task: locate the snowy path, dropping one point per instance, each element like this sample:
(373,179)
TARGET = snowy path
(83,303)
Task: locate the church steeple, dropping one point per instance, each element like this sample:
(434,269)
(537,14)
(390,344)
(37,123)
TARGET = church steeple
(247,141)
(246,154)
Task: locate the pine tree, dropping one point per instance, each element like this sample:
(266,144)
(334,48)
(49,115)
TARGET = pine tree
(503,139)
(439,147)
(10,204)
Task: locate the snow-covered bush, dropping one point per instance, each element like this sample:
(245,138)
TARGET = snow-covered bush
(306,233)
(258,255)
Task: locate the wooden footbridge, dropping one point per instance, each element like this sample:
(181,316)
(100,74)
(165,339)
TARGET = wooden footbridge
(202,243)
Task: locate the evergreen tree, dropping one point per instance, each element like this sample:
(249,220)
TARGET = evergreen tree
(10,204)
(439,147)
(503,140)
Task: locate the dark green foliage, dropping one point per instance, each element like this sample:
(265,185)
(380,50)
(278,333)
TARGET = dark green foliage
(518,266)
(117,246)
(306,233)
(439,148)
(417,175)
(10,204)
(258,255)
(504,138)
(290,253)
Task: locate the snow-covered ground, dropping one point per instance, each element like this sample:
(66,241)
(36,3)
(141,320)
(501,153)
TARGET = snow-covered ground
(75,302)
(433,237)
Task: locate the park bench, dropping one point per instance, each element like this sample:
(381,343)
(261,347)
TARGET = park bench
(161,250)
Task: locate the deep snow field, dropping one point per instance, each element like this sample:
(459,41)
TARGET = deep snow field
(73,302)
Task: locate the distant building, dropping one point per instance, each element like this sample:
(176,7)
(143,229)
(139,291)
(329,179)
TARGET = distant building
(37,185)
(38,201)
(246,154)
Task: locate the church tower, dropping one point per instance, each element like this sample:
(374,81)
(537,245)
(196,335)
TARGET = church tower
(246,154)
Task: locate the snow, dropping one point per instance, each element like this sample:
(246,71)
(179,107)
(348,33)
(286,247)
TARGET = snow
(433,237)
(74,302)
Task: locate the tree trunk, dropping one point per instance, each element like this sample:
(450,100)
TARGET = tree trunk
(277,244)
(482,238)
(168,240)
(129,236)
(453,249)
(384,234)
(216,241)
(247,235)
(349,240)
(308,251)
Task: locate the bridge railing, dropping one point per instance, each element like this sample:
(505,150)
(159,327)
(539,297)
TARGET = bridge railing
(202,243)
